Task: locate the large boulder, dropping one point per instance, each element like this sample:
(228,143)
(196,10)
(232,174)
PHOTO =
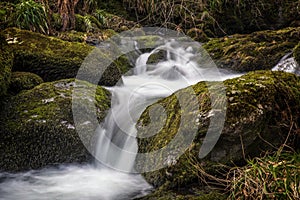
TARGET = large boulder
(37,127)
(6,62)
(55,59)
(255,51)
(262,114)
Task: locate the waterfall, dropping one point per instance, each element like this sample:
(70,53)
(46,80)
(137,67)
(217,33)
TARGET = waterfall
(117,146)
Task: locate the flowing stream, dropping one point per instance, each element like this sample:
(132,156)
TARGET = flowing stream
(117,146)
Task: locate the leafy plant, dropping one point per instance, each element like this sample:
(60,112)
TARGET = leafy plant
(32,16)
(100,15)
(87,23)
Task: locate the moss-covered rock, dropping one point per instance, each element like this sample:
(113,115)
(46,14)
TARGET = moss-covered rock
(54,59)
(23,81)
(259,50)
(50,58)
(37,128)
(262,111)
(296,53)
(6,63)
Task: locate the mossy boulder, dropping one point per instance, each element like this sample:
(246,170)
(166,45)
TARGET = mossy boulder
(262,113)
(54,59)
(37,127)
(6,63)
(255,51)
(23,81)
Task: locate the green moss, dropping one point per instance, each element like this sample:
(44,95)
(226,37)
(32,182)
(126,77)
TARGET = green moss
(37,127)
(72,36)
(50,58)
(75,36)
(54,59)
(6,62)
(149,41)
(256,51)
(256,115)
(23,81)
(296,53)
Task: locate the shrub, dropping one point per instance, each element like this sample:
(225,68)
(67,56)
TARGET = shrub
(31,16)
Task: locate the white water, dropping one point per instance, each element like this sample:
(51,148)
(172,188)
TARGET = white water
(71,182)
(288,64)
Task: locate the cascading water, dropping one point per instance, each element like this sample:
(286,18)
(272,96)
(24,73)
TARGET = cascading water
(117,146)
(288,64)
